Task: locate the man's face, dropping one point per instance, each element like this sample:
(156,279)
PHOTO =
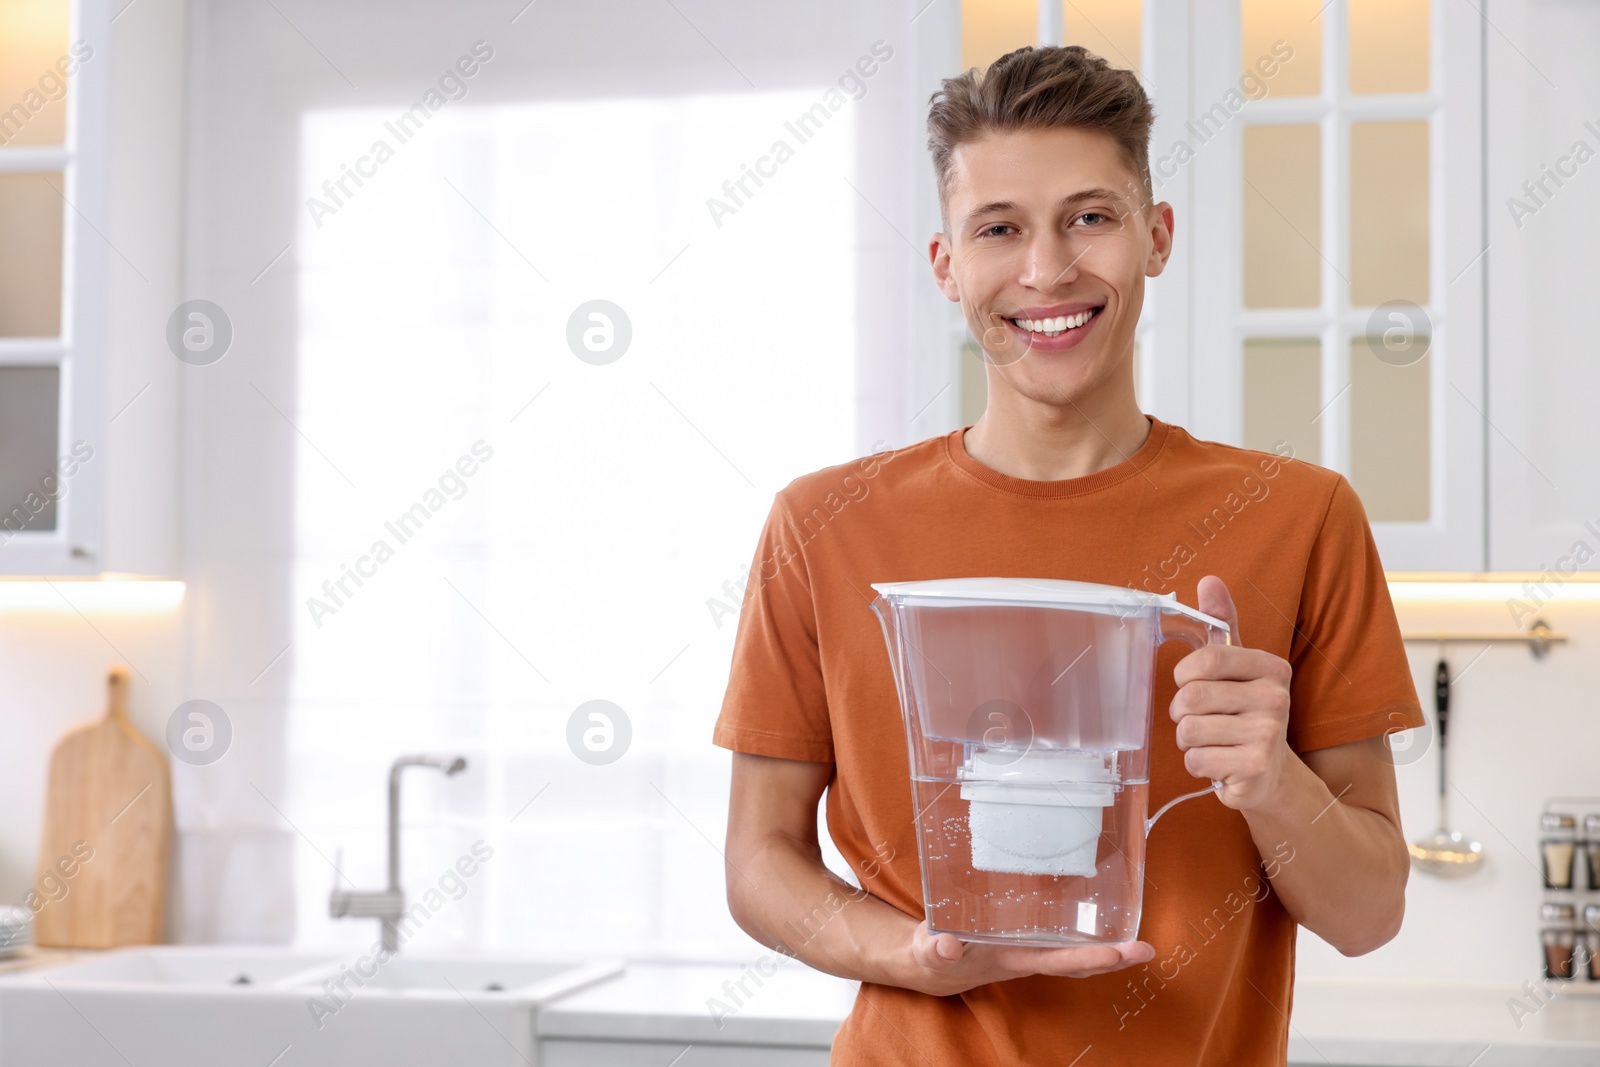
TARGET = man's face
(1046,225)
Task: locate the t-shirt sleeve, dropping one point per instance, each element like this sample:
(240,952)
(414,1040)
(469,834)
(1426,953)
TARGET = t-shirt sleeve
(776,703)
(1351,678)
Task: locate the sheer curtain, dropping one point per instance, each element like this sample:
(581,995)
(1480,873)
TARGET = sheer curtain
(490,531)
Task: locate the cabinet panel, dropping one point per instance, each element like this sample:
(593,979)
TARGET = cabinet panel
(1282,216)
(30,422)
(31,216)
(1388,212)
(1263,23)
(1544,208)
(33,72)
(1388,46)
(1390,457)
(1282,379)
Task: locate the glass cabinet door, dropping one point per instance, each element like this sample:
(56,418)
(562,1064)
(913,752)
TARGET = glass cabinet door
(1337,180)
(42,69)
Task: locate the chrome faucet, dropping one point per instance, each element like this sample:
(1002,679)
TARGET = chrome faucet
(388,905)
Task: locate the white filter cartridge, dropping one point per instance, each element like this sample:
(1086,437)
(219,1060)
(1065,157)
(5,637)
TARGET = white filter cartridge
(1040,813)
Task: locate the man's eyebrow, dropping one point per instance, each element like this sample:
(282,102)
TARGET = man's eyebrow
(995,207)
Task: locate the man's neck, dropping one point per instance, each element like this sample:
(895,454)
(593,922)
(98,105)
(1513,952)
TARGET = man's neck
(1042,443)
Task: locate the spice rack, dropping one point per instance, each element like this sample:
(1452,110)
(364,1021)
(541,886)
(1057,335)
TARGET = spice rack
(1569,862)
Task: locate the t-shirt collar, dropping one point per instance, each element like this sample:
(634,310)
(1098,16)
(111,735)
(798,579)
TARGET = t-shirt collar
(1130,466)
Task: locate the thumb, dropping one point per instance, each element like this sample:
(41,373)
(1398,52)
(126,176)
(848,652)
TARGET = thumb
(937,951)
(1214,599)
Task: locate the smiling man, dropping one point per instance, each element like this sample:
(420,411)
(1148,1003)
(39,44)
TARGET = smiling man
(1049,234)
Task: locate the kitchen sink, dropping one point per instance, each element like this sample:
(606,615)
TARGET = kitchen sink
(217,1005)
(206,966)
(469,974)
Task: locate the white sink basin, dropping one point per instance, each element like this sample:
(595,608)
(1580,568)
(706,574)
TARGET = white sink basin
(466,975)
(209,966)
(180,1006)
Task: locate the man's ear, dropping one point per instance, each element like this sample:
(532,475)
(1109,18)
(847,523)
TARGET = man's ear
(939,256)
(1161,230)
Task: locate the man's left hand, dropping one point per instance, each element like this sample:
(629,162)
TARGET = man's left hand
(1232,710)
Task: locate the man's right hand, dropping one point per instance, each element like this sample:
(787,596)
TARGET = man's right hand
(778,888)
(942,965)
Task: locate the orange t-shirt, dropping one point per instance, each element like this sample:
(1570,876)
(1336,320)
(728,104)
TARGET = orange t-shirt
(811,680)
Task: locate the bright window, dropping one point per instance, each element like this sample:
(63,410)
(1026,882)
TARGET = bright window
(580,560)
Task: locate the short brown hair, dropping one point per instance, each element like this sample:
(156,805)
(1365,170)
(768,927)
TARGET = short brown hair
(1051,87)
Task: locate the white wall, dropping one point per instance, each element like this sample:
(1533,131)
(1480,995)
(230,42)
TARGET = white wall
(1520,731)
(54,661)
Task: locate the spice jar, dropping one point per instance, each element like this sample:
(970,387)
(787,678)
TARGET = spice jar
(1558,945)
(1558,847)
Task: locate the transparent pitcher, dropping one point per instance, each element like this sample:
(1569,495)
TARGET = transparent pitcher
(1027,706)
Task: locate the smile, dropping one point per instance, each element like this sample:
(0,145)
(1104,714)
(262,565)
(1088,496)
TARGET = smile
(1058,332)
(1057,326)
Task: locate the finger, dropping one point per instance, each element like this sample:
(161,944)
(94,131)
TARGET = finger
(1225,663)
(1121,965)
(1215,600)
(1092,959)
(1210,761)
(1206,697)
(1209,731)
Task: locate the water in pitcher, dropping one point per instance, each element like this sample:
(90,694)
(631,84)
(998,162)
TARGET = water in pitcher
(1014,905)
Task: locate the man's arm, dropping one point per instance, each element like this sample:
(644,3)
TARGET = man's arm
(1328,822)
(1339,812)
(781,894)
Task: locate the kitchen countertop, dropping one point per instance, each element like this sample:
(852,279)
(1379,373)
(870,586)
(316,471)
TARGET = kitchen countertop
(783,1002)
(33,956)
(1362,1023)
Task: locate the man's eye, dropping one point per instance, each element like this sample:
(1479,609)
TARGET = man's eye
(989,231)
(1094,215)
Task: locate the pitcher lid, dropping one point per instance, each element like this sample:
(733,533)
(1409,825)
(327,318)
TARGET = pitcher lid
(1053,592)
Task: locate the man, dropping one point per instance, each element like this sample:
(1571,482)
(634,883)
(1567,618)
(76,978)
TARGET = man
(1049,233)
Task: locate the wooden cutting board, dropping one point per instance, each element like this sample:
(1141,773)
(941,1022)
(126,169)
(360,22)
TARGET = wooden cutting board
(107,828)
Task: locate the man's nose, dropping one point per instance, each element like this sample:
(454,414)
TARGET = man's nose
(1052,260)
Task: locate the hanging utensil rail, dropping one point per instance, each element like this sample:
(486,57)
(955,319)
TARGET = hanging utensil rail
(1538,637)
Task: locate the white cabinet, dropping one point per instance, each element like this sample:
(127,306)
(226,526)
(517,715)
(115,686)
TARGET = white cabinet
(91,186)
(1330,176)
(1543,210)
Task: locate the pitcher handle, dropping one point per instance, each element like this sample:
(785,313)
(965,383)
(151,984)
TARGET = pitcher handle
(1196,631)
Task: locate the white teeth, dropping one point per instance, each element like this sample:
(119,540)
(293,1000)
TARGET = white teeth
(1056,326)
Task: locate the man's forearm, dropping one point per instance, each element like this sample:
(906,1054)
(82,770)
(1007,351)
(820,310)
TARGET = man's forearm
(785,897)
(1346,879)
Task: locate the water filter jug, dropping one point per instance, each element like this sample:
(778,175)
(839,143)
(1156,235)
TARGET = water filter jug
(1027,710)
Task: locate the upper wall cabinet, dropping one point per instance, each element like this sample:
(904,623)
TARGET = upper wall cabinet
(88,388)
(1335,150)
(1543,260)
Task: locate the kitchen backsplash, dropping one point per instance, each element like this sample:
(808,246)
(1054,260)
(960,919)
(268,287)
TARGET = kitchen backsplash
(1521,731)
